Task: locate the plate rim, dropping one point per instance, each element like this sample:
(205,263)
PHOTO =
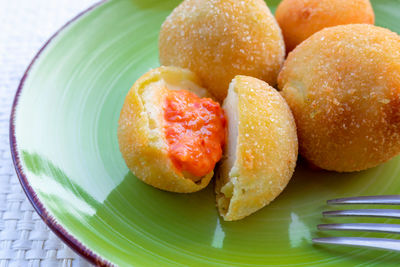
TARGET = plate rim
(40,209)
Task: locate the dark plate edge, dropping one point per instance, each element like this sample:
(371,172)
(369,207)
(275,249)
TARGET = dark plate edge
(62,233)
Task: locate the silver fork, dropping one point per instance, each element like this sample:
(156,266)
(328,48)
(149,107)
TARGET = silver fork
(379,243)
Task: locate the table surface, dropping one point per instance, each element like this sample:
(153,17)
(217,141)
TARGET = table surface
(24,27)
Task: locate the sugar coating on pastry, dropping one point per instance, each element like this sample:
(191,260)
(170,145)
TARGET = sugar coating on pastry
(261,151)
(343,86)
(218,39)
(169,135)
(299,19)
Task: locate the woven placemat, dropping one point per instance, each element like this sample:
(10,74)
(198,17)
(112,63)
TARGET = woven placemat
(24,27)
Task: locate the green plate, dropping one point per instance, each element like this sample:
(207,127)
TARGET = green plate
(64,145)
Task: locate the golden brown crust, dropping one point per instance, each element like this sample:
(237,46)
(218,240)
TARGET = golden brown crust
(343,86)
(299,19)
(142,144)
(266,149)
(218,39)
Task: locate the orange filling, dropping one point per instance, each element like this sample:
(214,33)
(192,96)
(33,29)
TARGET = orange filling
(195,132)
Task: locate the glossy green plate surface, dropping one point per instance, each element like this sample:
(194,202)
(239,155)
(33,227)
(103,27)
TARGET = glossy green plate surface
(65,143)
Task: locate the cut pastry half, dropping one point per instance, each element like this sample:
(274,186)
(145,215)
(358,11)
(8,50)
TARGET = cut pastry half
(171,133)
(261,151)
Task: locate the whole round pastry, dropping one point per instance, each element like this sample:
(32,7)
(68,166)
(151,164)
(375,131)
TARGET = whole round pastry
(299,19)
(218,39)
(261,151)
(343,86)
(170,133)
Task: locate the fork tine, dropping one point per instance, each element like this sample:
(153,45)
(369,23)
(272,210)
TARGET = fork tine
(383,213)
(369,227)
(383,200)
(380,243)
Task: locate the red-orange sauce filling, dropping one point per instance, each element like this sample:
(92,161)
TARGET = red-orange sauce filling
(195,132)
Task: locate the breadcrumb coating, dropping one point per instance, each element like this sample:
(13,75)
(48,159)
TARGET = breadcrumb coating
(299,19)
(218,39)
(261,153)
(343,86)
(141,135)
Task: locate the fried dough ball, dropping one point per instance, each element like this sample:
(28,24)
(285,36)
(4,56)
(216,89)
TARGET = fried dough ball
(218,39)
(261,152)
(343,86)
(299,19)
(169,136)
